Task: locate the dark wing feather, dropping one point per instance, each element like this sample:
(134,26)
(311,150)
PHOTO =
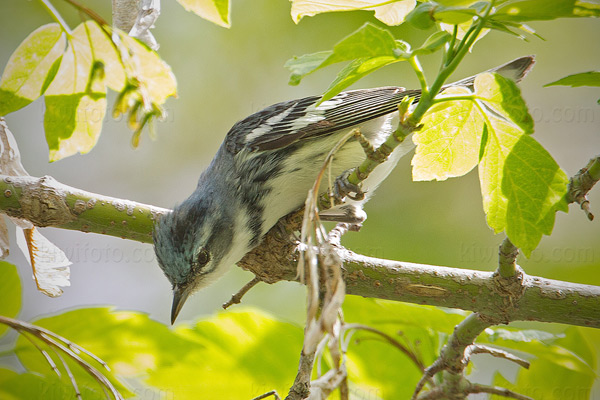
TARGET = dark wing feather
(284,123)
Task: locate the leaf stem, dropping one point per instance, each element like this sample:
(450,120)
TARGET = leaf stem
(466,43)
(414,62)
(469,97)
(450,47)
(56,16)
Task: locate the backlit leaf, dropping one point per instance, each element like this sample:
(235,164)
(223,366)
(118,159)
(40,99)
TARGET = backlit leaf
(255,351)
(30,66)
(504,97)
(391,13)
(76,100)
(10,292)
(355,71)
(591,78)
(522,186)
(366,43)
(215,11)
(448,145)
(27,385)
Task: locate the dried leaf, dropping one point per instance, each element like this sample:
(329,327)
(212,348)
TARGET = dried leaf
(49,263)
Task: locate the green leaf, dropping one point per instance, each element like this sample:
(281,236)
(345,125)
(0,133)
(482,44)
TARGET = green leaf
(535,187)
(355,71)
(130,343)
(591,78)
(532,10)
(73,123)
(76,99)
(433,43)
(504,97)
(449,142)
(29,67)
(393,316)
(255,351)
(367,42)
(215,11)
(305,64)
(563,359)
(490,179)
(584,8)
(392,13)
(10,292)
(154,76)
(421,16)
(420,328)
(454,15)
(14,386)
(521,184)
(521,335)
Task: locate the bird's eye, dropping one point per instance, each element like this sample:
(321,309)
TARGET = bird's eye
(203,258)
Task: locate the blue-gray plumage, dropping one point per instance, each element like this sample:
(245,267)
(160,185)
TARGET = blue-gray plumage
(263,171)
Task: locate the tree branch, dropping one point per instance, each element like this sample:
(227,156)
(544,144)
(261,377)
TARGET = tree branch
(46,202)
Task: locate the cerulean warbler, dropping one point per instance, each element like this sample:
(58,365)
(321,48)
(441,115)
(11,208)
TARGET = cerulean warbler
(264,169)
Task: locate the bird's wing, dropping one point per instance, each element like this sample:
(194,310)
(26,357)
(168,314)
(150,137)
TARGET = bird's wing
(284,123)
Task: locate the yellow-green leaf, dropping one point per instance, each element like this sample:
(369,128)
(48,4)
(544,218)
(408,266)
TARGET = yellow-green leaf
(87,44)
(504,97)
(154,76)
(76,98)
(215,11)
(390,14)
(73,123)
(103,50)
(29,67)
(10,292)
(490,179)
(521,185)
(448,145)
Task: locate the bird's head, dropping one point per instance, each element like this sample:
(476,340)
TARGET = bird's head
(194,245)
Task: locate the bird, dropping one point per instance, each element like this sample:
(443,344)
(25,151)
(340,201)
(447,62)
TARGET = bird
(264,169)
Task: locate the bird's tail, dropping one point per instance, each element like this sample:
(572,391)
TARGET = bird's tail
(516,70)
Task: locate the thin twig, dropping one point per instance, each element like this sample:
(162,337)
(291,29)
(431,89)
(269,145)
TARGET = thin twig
(271,393)
(507,258)
(47,356)
(429,373)
(477,388)
(581,183)
(89,12)
(481,349)
(69,348)
(72,377)
(301,387)
(414,358)
(237,298)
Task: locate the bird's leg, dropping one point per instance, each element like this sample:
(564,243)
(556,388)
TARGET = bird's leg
(350,213)
(342,187)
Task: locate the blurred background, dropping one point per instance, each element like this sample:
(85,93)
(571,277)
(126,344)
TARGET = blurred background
(225,75)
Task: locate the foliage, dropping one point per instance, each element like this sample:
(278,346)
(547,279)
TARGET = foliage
(74,81)
(246,353)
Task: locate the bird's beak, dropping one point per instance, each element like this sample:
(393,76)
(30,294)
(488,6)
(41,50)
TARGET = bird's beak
(180,295)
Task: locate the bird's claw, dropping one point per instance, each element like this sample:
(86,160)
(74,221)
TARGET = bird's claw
(343,188)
